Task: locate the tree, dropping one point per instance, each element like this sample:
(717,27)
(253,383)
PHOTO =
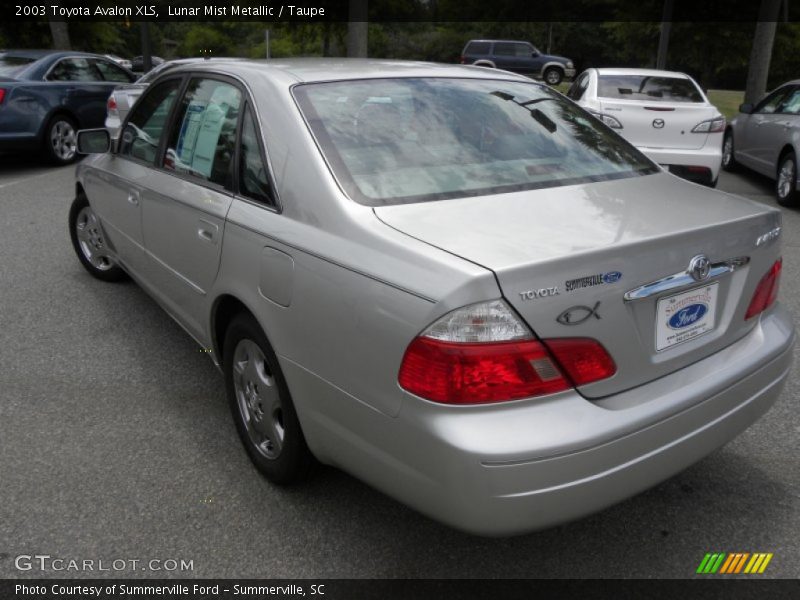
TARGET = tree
(357,29)
(761,53)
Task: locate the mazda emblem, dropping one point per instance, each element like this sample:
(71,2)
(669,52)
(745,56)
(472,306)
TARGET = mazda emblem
(658,123)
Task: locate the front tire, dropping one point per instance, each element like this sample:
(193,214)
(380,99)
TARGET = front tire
(261,405)
(61,140)
(89,243)
(728,159)
(786,181)
(553,75)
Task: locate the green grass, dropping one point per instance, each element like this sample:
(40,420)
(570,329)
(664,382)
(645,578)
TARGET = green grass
(726,101)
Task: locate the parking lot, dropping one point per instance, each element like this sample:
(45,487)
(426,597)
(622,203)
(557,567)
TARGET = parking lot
(117,444)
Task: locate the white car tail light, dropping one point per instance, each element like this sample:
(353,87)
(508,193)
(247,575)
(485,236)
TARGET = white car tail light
(112,105)
(2,95)
(714,125)
(483,353)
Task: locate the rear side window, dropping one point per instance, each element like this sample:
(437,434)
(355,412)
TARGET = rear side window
(112,72)
(578,89)
(645,87)
(478,48)
(11,65)
(253,178)
(203,140)
(145,128)
(75,69)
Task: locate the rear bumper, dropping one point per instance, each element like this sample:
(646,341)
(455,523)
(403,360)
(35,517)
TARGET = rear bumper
(527,465)
(677,160)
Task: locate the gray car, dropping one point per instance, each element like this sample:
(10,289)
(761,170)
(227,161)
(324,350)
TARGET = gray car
(453,283)
(765,137)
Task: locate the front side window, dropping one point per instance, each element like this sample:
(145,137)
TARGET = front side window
(145,127)
(791,103)
(75,69)
(391,141)
(112,72)
(505,49)
(646,87)
(771,103)
(203,139)
(253,178)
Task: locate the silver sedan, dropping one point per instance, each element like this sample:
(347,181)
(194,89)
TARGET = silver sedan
(765,137)
(451,282)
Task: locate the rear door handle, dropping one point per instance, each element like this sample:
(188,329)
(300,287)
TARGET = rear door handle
(133,197)
(207,231)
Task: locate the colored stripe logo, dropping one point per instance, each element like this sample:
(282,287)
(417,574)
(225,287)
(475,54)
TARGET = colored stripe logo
(733,563)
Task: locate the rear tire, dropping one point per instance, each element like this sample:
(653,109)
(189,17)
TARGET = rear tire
(89,242)
(61,140)
(786,180)
(553,75)
(728,159)
(261,405)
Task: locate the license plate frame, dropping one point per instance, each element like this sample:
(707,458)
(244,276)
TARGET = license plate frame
(686,316)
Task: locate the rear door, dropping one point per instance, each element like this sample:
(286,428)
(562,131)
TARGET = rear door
(185,202)
(514,56)
(655,112)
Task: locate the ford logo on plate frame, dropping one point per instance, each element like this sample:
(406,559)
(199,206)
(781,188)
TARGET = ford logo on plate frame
(688,315)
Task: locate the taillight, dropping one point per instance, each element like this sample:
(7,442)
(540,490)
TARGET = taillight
(2,95)
(112,103)
(463,60)
(766,291)
(483,353)
(714,125)
(607,119)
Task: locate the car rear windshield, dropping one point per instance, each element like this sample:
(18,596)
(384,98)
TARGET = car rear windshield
(638,87)
(392,141)
(10,66)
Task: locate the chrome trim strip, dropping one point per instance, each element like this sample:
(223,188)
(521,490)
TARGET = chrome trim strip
(684,279)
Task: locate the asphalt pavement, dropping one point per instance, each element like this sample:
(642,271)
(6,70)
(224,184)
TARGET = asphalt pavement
(117,444)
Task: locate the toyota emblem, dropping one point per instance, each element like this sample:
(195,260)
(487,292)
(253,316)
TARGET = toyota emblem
(658,123)
(699,267)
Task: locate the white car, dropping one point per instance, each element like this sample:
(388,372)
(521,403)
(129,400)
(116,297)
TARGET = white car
(123,62)
(664,114)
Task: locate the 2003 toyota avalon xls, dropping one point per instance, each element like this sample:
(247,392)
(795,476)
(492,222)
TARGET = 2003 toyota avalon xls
(453,283)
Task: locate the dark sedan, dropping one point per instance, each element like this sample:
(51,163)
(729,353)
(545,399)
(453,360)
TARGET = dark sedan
(47,96)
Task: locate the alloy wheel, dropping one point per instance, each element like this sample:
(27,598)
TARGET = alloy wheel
(90,240)
(63,140)
(258,399)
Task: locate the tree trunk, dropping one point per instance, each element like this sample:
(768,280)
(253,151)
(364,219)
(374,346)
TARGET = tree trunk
(60,31)
(761,53)
(357,29)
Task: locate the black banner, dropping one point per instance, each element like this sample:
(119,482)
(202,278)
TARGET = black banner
(406,589)
(317,11)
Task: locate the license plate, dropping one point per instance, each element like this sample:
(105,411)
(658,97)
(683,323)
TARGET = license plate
(685,316)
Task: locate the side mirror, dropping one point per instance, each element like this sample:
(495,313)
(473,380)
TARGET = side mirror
(93,141)
(534,54)
(746,108)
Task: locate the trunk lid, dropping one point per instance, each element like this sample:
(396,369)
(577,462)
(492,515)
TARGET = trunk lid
(660,124)
(586,246)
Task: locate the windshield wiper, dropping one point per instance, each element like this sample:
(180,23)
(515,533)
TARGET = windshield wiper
(538,115)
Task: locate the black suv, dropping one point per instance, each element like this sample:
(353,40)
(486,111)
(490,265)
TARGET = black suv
(520,57)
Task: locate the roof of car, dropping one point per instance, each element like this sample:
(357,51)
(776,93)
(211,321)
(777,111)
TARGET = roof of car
(643,72)
(307,70)
(36,54)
